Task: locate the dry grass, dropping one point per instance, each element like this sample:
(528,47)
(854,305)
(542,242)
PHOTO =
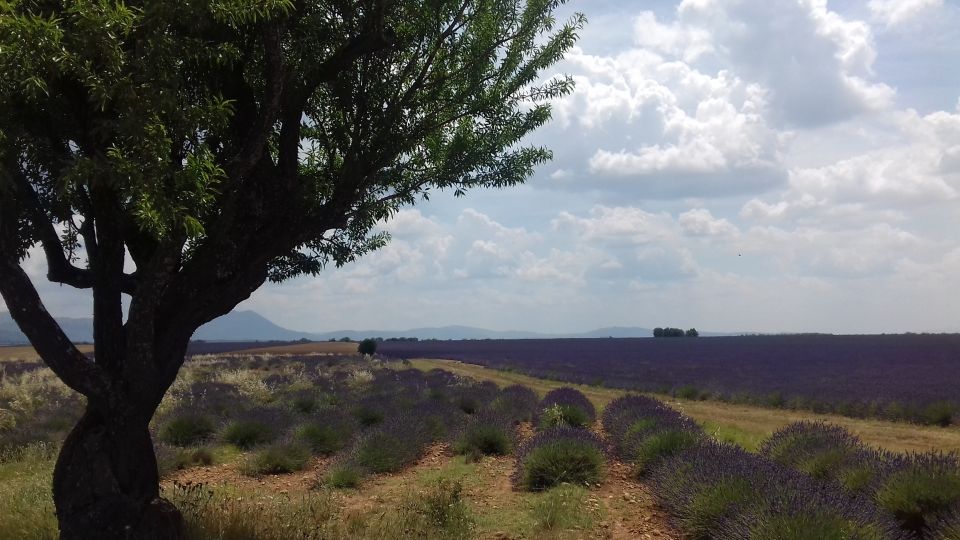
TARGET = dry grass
(28,353)
(739,423)
(318,347)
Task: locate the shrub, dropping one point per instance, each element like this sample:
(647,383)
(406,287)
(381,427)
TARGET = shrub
(276,459)
(170,459)
(304,401)
(559,455)
(377,452)
(488,435)
(940,413)
(807,526)
(563,415)
(187,430)
(630,420)
(344,475)
(246,434)
(367,346)
(391,446)
(565,406)
(368,415)
(825,452)
(472,397)
(322,439)
(717,490)
(516,402)
(440,512)
(687,392)
(661,445)
(249,515)
(561,507)
(921,489)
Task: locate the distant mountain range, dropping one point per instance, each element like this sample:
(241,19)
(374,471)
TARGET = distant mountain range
(251,326)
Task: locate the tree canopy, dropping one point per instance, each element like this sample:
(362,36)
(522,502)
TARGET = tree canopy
(183,153)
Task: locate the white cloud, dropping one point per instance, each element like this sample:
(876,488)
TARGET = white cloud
(700,222)
(896,12)
(619,225)
(813,61)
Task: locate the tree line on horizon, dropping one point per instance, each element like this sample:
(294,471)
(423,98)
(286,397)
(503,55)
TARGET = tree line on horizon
(675,332)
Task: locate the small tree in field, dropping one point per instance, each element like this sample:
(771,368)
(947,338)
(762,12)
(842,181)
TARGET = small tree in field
(212,145)
(367,346)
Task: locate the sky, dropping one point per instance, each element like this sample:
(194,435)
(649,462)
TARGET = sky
(729,165)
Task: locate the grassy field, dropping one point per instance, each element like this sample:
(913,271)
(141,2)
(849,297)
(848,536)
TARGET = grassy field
(744,425)
(27,352)
(473,498)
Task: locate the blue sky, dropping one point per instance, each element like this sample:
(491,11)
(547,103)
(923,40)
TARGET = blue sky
(723,164)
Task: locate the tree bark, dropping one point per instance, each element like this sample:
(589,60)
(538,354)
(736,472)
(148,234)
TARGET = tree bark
(106,485)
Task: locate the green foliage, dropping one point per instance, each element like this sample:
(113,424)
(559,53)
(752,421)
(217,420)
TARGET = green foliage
(187,430)
(367,346)
(276,459)
(26,477)
(378,453)
(564,415)
(661,445)
(322,439)
(171,459)
(562,461)
(810,527)
(401,99)
(918,494)
(344,475)
(246,434)
(225,514)
(439,513)
(485,438)
(562,507)
(687,392)
(709,506)
(940,413)
(368,416)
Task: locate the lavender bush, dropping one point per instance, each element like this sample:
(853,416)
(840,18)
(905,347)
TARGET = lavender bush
(517,402)
(565,406)
(559,455)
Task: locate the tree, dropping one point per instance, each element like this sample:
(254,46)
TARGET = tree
(658,332)
(213,145)
(367,346)
(692,333)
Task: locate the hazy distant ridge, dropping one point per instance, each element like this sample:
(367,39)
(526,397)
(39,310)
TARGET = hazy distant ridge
(251,326)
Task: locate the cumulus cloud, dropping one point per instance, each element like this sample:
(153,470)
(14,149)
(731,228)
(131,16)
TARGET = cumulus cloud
(815,63)
(700,222)
(895,12)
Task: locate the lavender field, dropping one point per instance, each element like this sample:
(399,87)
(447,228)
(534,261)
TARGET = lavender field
(903,377)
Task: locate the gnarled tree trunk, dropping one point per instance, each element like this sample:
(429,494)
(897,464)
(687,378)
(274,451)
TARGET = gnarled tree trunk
(105,484)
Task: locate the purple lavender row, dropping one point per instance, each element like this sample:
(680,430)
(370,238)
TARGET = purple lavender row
(903,377)
(921,491)
(715,490)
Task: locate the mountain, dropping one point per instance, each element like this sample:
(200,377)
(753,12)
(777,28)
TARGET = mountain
(251,326)
(246,326)
(77,329)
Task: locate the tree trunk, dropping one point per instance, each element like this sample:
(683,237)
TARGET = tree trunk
(106,485)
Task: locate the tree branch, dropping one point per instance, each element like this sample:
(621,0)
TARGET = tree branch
(59,269)
(46,336)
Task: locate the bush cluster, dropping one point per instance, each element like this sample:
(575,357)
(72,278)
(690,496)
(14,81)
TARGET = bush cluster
(565,406)
(560,455)
(919,490)
(643,430)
